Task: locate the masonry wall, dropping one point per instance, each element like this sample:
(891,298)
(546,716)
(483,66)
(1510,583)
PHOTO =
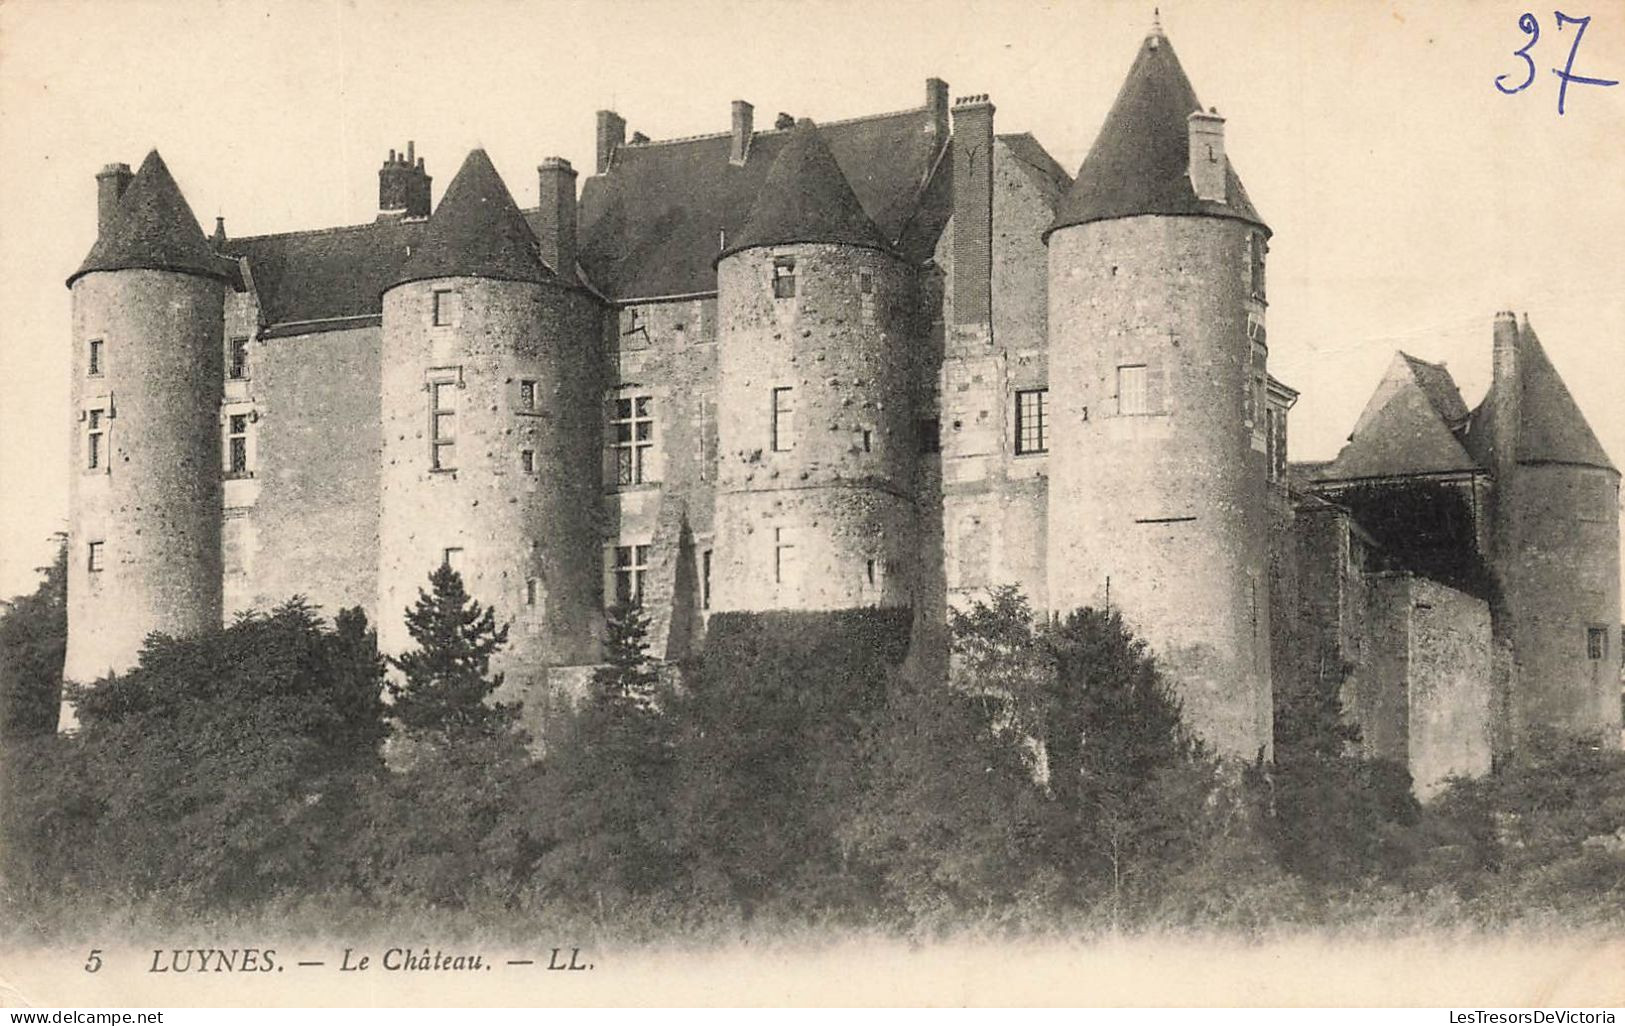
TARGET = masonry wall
(1162,514)
(666,351)
(1560,578)
(831,522)
(1429,702)
(517,531)
(995,501)
(153,503)
(305,519)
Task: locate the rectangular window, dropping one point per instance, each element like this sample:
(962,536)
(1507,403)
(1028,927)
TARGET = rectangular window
(93,365)
(784,277)
(527,460)
(1257,248)
(786,569)
(93,557)
(95,439)
(866,296)
(633,427)
(1032,421)
(784,420)
(443,425)
(705,579)
(707,432)
(237,443)
(237,362)
(530,592)
(452,558)
(631,564)
(1596,642)
(527,394)
(1131,397)
(448,304)
(869,572)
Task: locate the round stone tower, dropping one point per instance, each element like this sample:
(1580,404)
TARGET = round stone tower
(1157,381)
(490,438)
(144,494)
(815,428)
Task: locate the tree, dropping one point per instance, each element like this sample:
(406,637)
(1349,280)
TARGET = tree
(33,641)
(608,777)
(448,678)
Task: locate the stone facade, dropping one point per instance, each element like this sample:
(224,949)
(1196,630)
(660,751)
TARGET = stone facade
(879,362)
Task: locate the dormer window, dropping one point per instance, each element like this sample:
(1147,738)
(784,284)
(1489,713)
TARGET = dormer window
(784,277)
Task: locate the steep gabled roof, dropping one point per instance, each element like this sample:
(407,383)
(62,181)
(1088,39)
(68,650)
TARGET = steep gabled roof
(153,228)
(476,231)
(806,198)
(1552,428)
(1043,169)
(1440,388)
(1402,431)
(1140,161)
(654,223)
(328,274)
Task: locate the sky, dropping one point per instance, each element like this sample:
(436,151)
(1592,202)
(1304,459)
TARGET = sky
(1409,197)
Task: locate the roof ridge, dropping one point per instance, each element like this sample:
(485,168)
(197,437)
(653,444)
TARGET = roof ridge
(648,144)
(329,230)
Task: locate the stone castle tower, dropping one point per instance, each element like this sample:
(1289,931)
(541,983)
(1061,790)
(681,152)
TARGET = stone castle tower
(898,360)
(1157,397)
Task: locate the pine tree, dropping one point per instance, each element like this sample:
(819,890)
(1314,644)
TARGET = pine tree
(448,676)
(627,675)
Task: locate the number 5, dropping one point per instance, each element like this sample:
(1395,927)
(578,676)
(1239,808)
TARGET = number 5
(94,962)
(1532,28)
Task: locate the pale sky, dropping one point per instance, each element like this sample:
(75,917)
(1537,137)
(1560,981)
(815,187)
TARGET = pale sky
(1410,199)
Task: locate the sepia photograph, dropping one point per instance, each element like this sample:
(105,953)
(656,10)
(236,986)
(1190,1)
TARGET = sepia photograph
(734,503)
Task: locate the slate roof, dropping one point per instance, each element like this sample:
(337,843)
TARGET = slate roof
(1403,431)
(806,198)
(1551,427)
(654,223)
(1440,388)
(478,231)
(1140,160)
(1031,157)
(153,228)
(327,274)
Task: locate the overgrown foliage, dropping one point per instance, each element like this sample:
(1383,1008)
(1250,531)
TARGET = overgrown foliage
(33,640)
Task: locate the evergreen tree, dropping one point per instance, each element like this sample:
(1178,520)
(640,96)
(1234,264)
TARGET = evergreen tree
(33,641)
(448,678)
(608,775)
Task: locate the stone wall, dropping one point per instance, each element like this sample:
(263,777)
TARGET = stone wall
(152,503)
(528,540)
(829,519)
(1161,513)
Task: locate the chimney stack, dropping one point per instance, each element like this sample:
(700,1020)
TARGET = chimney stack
(744,116)
(784,121)
(936,108)
(556,216)
(611,135)
(403,185)
(973,211)
(111,181)
(1504,391)
(1207,160)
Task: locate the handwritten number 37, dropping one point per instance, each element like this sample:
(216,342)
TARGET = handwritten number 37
(1531,28)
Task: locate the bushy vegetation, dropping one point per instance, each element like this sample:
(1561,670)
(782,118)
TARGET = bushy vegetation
(801,772)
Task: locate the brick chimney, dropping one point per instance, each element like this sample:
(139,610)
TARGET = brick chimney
(973,210)
(936,110)
(744,116)
(611,136)
(403,185)
(1207,160)
(556,216)
(111,181)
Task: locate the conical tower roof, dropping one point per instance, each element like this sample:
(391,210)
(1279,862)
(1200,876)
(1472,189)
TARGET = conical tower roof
(806,198)
(1140,162)
(1553,430)
(152,229)
(477,231)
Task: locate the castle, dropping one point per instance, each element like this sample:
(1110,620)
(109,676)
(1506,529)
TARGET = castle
(892,361)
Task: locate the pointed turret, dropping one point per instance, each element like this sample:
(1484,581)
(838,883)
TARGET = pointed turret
(151,228)
(1553,428)
(1141,161)
(806,198)
(477,231)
